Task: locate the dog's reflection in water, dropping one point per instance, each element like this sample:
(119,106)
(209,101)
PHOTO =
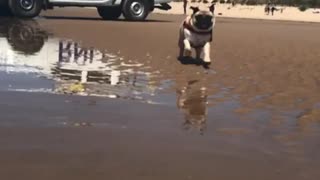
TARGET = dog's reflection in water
(192,101)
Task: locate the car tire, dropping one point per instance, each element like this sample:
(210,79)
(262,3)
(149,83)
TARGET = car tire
(109,13)
(136,10)
(25,8)
(5,11)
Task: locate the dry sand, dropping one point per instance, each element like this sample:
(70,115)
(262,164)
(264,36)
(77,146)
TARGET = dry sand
(251,12)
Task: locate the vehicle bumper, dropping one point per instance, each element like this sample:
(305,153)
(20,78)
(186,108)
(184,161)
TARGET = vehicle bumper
(163,6)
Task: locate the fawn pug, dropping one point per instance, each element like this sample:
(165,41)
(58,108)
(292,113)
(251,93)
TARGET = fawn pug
(196,32)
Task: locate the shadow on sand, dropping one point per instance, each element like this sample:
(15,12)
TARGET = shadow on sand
(193,61)
(97,19)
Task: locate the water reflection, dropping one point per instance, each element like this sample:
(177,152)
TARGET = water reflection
(192,101)
(27,49)
(84,64)
(23,36)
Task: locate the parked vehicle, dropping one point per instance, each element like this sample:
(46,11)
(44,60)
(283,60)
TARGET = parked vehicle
(133,10)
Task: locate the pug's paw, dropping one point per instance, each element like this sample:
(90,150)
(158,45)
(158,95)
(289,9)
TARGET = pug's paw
(187,53)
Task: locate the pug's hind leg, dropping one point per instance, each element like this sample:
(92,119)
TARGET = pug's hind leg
(187,48)
(180,52)
(198,53)
(181,48)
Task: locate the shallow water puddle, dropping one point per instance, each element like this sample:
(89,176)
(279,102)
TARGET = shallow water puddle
(33,61)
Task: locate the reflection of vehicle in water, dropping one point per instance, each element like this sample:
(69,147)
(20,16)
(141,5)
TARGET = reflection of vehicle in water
(19,40)
(23,36)
(192,101)
(84,65)
(64,61)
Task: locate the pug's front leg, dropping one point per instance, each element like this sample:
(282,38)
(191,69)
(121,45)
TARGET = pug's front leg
(206,53)
(187,48)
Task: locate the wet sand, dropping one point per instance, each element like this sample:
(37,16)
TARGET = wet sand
(256,108)
(130,145)
(251,58)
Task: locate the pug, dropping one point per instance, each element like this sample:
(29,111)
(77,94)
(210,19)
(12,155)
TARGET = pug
(196,32)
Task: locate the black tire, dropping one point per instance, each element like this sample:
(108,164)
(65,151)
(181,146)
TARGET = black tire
(109,13)
(25,36)
(25,8)
(5,11)
(136,10)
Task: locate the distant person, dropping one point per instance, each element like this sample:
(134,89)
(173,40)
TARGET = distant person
(273,8)
(185,3)
(267,9)
(316,12)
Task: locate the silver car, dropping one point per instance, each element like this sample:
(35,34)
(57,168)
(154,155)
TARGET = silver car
(133,10)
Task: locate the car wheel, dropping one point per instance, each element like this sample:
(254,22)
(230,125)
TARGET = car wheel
(136,10)
(25,8)
(109,13)
(5,11)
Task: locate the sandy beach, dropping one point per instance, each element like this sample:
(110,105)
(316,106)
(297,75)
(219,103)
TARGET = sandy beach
(253,115)
(251,12)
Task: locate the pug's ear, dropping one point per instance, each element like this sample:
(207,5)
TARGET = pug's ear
(212,7)
(194,9)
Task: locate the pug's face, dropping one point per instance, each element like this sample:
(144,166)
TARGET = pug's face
(203,19)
